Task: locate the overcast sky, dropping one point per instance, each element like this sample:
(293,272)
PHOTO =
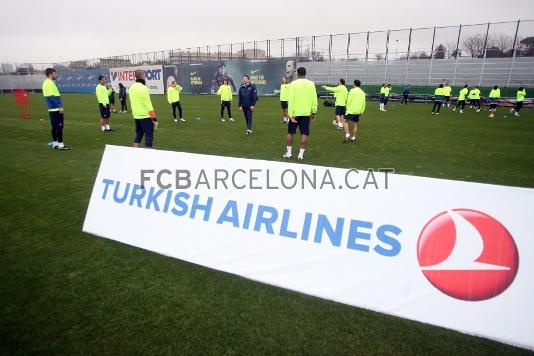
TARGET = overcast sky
(61,30)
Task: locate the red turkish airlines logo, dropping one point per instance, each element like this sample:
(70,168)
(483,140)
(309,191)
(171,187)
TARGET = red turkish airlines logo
(467,254)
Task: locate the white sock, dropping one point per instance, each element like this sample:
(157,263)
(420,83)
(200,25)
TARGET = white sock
(301,152)
(353,137)
(103,128)
(347,135)
(289,150)
(107,127)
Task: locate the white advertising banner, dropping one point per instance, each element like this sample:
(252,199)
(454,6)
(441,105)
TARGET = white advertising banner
(126,76)
(455,254)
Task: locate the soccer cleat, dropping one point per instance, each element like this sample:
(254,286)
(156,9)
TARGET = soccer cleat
(334,122)
(511,111)
(63,148)
(287,156)
(490,115)
(175,120)
(182,119)
(432,113)
(248,132)
(109,130)
(346,140)
(230,119)
(516,114)
(300,158)
(454,109)
(223,120)
(353,139)
(461,111)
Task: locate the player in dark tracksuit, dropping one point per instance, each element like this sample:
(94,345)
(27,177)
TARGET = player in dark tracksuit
(122,97)
(248,96)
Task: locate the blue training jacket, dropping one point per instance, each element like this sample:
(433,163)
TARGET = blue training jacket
(248,95)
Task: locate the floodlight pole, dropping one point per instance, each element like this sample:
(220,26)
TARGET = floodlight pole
(366,54)
(408,56)
(456,54)
(348,57)
(513,53)
(329,56)
(431,55)
(484,57)
(386,58)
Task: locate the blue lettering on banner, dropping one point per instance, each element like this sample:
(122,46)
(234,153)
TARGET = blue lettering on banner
(352,234)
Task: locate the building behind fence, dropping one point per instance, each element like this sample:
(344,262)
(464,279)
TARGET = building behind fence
(481,54)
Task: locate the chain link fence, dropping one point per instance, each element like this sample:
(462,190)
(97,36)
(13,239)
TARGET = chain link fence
(485,54)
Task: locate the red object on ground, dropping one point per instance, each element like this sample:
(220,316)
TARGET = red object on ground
(22,101)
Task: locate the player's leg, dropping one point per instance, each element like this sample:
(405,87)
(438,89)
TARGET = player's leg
(148,128)
(222,110)
(355,127)
(106,118)
(173,105)
(139,132)
(439,107)
(59,131)
(229,109)
(291,130)
(304,128)
(180,111)
(53,131)
(346,128)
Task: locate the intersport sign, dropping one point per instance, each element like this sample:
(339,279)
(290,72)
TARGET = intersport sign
(126,76)
(455,254)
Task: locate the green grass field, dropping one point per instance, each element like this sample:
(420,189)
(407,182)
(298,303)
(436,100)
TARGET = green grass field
(66,292)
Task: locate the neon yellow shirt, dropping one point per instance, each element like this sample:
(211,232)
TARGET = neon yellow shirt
(462,94)
(140,101)
(356,101)
(173,94)
(340,93)
(447,90)
(495,93)
(521,95)
(102,94)
(51,95)
(225,92)
(302,98)
(284,92)
(386,91)
(474,94)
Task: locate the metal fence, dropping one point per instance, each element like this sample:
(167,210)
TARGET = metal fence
(485,54)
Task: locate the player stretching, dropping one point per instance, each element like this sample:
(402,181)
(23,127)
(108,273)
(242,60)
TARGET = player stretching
(173,97)
(521,93)
(494,96)
(383,90)
(447,95)
(55,108)
(438,99)
(340,93)
(102,95)
(284,88)
(474,98)
(225,92)
(461,99)
(355,108)
(302,110)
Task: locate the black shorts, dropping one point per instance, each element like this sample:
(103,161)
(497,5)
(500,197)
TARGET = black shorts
(493,106)
(386,100)
(340,110)
(303,123)
(352,117)
(56,118)
(447,99)
(104,111)
(283,104)
(225,104)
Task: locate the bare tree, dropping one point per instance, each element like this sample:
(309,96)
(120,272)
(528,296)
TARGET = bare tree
(378,56)
(474,45)
(501,41)
(450,49)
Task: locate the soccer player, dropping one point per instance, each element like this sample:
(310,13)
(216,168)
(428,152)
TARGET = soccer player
(461,99)
(142,110)
(111,93)
(494,96)
(302,109)
(102,95)
(474,98)
(438,99)
(520,98)
(387,93)
(340,93)
(173,97)
(284,88)
(225,92)
(55,108)
(383,90)
(405,94)
(447,95)
(122,98)
(248,96)
(355,108)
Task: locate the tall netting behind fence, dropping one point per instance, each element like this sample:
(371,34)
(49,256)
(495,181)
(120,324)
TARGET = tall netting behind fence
(476,54)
